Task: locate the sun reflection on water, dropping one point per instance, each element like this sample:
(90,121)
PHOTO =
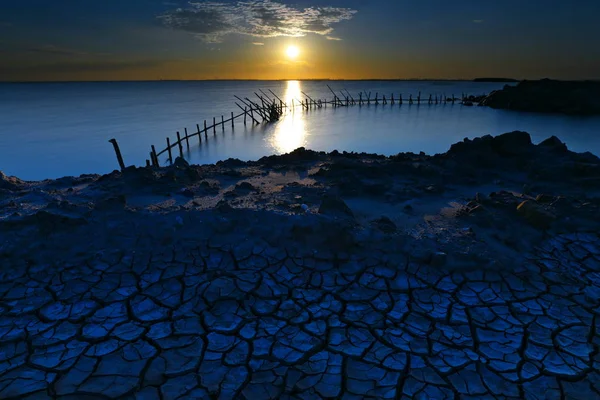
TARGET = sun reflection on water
(290,132)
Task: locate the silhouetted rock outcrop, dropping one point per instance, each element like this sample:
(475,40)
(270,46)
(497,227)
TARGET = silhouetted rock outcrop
(549,96)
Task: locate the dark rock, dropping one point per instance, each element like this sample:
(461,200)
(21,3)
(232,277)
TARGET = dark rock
(111,203)
(544,198)
(332,204)
(224,207)
(181,163)
(384,224)
(9,182)
(512,143)
(535,214)
(245,187)
(49,222)
(554,144)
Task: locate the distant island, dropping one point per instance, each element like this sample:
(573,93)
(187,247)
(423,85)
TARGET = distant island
(495,80)
(548,96)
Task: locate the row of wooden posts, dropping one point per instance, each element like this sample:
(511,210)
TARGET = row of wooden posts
(270,109)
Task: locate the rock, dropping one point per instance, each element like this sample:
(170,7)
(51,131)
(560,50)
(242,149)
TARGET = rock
(554,144)
(112,203)
(512,143)
(9,182)
(332,204)
(224,207)
(535,214)
(544,198)
(181,163)
(245,187)
(384,224)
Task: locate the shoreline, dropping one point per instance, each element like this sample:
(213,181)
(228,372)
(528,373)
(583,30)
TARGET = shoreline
(308,274)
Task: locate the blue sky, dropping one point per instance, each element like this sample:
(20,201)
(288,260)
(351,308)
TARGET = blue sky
(151,39)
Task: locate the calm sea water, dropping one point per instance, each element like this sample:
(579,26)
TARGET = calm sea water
(58,129)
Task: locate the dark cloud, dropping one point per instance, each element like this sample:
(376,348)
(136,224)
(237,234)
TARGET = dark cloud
(73,67)
(211,21)
(51,49)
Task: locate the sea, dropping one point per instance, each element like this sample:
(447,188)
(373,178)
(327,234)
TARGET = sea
(50,130)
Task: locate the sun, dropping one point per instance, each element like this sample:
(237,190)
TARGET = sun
(292,52)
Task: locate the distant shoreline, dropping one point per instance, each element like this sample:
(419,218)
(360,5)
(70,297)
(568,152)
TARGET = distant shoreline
(273,80)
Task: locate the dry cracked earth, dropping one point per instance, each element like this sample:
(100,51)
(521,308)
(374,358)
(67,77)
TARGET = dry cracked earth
(252,304)
(256,323)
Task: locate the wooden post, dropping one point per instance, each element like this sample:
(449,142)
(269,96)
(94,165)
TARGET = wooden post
(392,99)
(419,99)
(245,116)
(169,150)
(360,99)
(205,131)
(232,125)
(436,99)
(410,99)
(118,153)
(384,100)
(251,114)
(199,133)
(187,140)
(376,98)
(179,145)
(154,158)
(429,101)
(148,162)
(222,123)
(400,102)
(214,126)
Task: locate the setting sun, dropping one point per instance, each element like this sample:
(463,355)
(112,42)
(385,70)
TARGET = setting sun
(292,52)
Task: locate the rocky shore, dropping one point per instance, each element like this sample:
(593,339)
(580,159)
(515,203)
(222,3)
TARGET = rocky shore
(469,274)
(548,96)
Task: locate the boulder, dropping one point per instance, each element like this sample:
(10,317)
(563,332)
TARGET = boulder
(181,163)
(384,224)
(9,182)
(512,143)
(333,205)
(554,144)
(245,187)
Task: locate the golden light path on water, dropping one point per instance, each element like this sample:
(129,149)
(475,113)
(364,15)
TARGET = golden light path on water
(290,132)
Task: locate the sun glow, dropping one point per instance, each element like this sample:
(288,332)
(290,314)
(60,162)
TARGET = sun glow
(290,132)
(292,52)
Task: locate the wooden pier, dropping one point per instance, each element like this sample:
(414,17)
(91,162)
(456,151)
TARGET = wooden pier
(268,108)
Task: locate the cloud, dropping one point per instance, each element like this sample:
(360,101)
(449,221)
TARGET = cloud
(72,67)
(61,51)
(258,43)
(478,21)
(51,49)
(212,21)
(333,38)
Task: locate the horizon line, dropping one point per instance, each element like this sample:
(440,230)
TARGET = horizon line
(274,80)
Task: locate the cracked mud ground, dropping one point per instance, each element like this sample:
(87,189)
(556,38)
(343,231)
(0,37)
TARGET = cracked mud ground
(107,300)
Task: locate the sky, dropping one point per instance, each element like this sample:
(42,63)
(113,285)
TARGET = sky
(67,40)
